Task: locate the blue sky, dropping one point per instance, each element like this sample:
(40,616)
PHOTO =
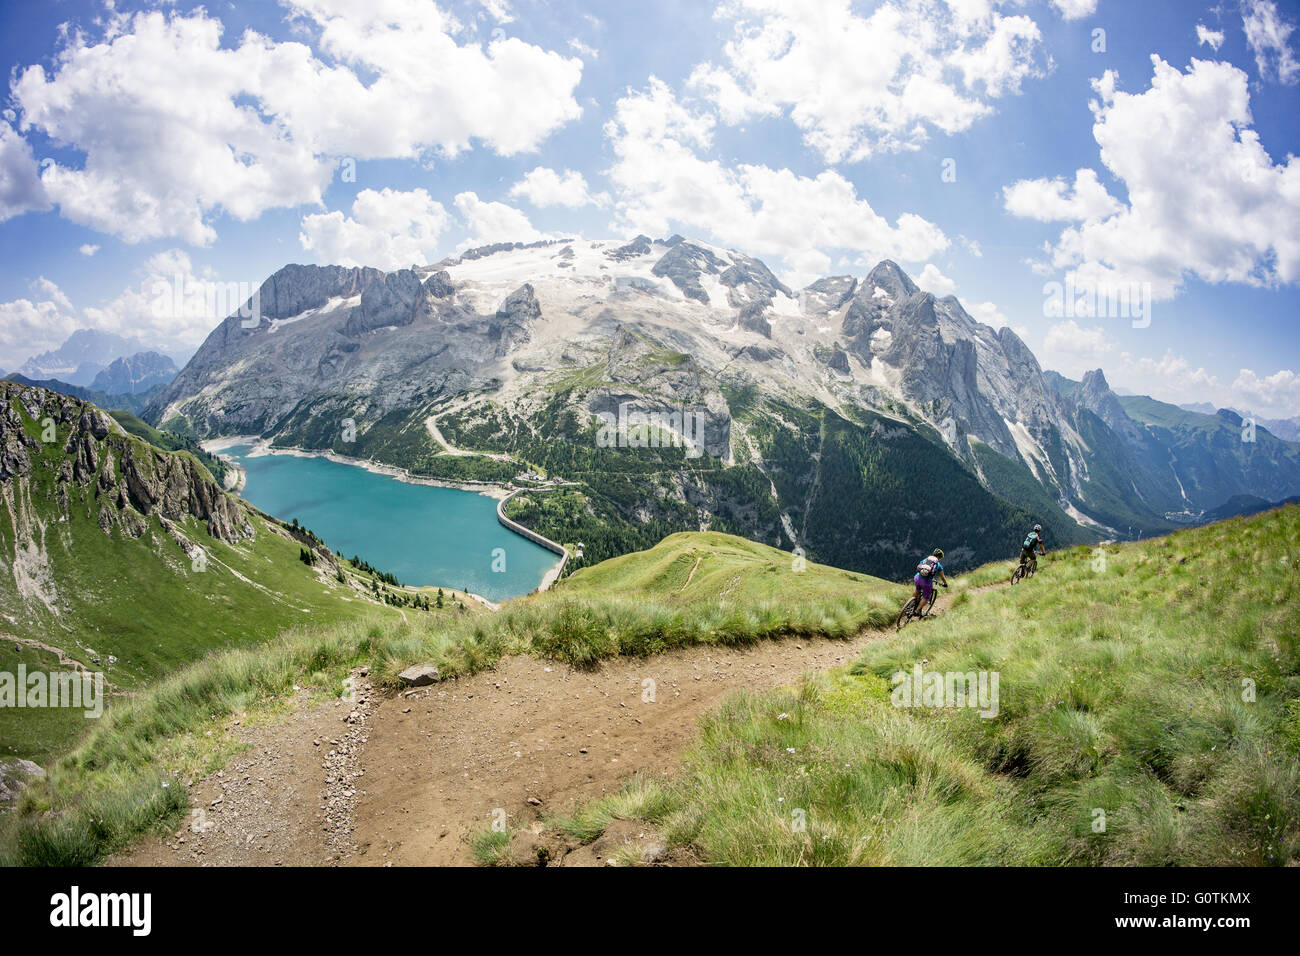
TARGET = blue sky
(142,141)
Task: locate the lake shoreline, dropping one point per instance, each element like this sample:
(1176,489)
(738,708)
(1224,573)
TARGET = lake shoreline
(261,447)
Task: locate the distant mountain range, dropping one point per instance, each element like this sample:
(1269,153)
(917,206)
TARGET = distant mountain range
(88,353)
(126,383)
(859,419)
(1287,429)
(134,374)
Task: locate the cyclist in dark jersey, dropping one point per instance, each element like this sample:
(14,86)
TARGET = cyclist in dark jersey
(1033,541)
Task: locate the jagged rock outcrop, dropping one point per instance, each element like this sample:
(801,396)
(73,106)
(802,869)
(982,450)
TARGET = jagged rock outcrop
(1096,396)
(684,264)
(394,300)
(119,478)
(512,324)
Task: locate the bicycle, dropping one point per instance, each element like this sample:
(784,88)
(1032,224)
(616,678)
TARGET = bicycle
(1023,571)
(911,609)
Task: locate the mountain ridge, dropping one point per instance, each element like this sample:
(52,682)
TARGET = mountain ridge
(514,346)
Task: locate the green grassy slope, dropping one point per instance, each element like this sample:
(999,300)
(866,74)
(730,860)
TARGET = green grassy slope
(695,567)
(127,775)
(136,608)
(1148,713)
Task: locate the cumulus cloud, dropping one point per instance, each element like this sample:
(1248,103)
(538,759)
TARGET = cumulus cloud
(988,313)
(859,85)
(388,229)
(489,222)
(1205,198)
(1269,37)
(1075,9)
(176,127)
(933,281)
(171,305)
(1053,200)
(1207,37)
(543,186)
(1275,395)
(1071,346)
(664,183)
(29,326)
(20,182)
(1073,349)
(88,249)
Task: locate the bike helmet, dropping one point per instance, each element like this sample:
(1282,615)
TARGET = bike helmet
(1038,527)
(938,553)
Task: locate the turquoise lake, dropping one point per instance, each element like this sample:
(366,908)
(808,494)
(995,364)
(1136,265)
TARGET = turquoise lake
(424,535)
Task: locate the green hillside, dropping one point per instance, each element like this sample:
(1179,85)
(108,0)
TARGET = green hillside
(126,775)
(696,567)
(1148,713)
(134,595)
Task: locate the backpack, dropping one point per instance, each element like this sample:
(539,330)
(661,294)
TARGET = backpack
(926,567)
(1031,540)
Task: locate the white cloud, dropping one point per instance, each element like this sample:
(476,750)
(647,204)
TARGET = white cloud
(663,183)
(972,246)
(490,222)
(1175,371)
(388,229)
(52,292)
(859,85)
(543,186)
(20,183)
(1274,395)
(1075,9)
(498,10)
(935,282)
(1205,198)
(30,327)
(582,49)
(990,314)
(1073,348)
(1207,37)
(1054,200)
(177,128)
(148,310)
(1269,38)
(88,249)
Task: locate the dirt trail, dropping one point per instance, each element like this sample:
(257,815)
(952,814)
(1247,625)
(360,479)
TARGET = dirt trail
(436,763)
(427,769)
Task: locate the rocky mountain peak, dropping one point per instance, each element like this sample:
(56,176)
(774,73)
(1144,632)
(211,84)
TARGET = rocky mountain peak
(136,373)
(93,464)
(888,275)
(1095,395)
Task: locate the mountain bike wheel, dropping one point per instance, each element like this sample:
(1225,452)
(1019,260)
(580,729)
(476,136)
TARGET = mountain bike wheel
(906,613)
(1017,574)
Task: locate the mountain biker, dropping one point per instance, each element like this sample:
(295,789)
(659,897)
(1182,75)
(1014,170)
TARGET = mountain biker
(923,580)
(1033,540)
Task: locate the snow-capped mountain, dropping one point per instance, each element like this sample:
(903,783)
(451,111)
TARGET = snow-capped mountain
(514,346)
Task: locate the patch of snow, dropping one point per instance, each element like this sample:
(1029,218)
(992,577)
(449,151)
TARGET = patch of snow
(333,305)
